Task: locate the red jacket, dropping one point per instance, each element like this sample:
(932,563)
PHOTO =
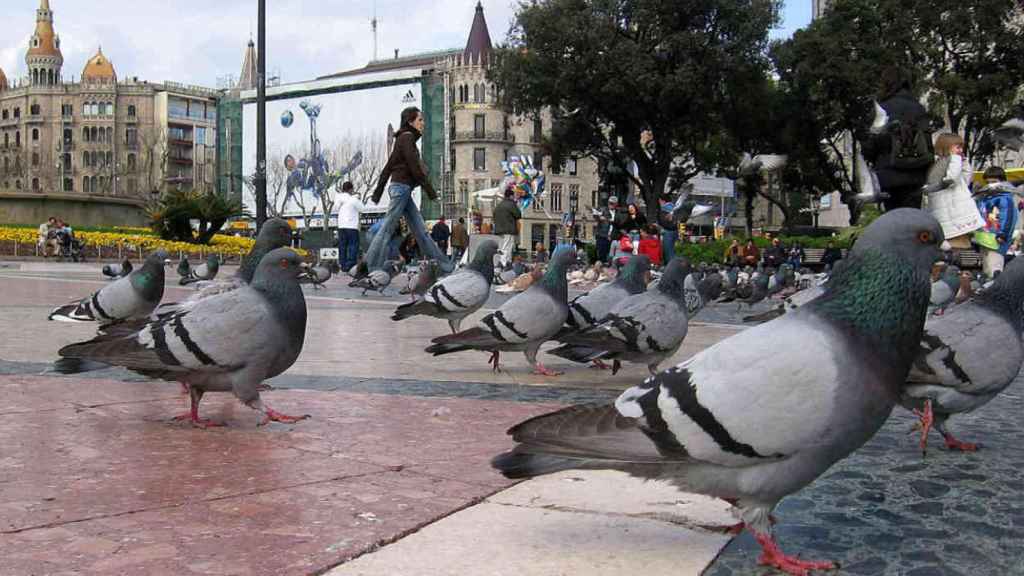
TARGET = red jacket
(651,247)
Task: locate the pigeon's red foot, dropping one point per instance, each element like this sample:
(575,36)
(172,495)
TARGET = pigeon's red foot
(494,361)
(927,419)
(541,370)
(197,421)
(772,556)
(271,415)
(601,365)
(954,444)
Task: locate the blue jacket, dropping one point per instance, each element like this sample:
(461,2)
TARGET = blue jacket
(999,196)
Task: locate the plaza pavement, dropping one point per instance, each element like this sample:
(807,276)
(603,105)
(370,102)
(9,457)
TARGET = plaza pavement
(390,476)
(95,478)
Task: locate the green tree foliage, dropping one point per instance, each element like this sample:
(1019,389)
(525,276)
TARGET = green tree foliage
(610,69)
(171,216)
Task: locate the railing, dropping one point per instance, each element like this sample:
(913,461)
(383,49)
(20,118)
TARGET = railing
(484,136)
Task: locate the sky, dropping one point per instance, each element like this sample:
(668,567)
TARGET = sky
(202,41)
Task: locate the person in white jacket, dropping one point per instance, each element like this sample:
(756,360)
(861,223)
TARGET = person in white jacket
(952,206)
(349,209)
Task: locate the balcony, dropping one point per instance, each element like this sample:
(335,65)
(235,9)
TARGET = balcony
(180,142)
(37,119)
(486,136)
(180,161)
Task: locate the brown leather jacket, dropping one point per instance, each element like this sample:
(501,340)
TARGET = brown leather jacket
(405,166)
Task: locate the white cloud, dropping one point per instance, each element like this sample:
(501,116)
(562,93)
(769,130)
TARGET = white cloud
(198,41)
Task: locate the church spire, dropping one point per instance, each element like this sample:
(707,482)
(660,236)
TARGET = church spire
(247,79)
(478,47)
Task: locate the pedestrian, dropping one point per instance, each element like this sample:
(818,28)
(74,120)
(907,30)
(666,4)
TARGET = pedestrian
(902,153)
(409,251)
(460,239)
(349,209)
(540,254)
(997,206)
(650,245)
(775,255)
(47,240)
(831,255)
(952,206)
(622,249)
(796,256)
(670,219)
(751,254)
(733,253)
(441,233)
(603,237)
(506,224)
(634,222)
(405,170)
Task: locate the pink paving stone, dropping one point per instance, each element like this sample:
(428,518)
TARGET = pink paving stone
(95,479)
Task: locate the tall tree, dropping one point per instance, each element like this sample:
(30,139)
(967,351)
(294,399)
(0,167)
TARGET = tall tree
(610,69)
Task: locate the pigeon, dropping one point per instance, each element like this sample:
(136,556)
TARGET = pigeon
(184,268)
(763,413)
(317,276)
(788,305)
(457,295)
(115,271)
(422,280)
(1010,134)
(200,347)
(207,271)
(376,279)
(587,309)
(275,233)
(758,290)
(944,290)
(709,287)
(132,296)
(644,328)
(522,282)
(968,356)
(524,322)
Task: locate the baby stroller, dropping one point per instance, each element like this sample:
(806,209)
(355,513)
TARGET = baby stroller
(69,247)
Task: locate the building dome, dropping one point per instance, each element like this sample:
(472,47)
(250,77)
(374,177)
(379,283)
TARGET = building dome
(99,69)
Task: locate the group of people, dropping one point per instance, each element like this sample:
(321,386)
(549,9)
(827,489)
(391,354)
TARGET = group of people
(624,230)
(914,171)
(776,254)
(54,235)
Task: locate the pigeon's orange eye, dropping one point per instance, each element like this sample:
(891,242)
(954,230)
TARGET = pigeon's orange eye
(284,262)
(924,237)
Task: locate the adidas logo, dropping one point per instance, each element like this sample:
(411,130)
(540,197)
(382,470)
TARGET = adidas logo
(409,97)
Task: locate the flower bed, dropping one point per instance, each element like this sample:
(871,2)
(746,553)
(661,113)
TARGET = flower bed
(133,244)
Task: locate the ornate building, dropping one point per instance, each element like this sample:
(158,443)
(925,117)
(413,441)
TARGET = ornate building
(480,135)
(94,151)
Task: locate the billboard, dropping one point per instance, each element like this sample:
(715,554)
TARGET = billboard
(316,142)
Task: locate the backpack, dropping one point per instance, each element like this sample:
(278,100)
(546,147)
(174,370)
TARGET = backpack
(910,142)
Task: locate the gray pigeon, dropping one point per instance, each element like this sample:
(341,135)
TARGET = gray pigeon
(132,296)
(968,356)
(1010,134)
(524,322)
(788,305)
(457,295)
(763,413)
(645,328)
(422,280)
(588,309)
(376,279)
(758,290)
(207,271)
(317,276)
(184,268)
(200,347)
(944,290)
(115,271)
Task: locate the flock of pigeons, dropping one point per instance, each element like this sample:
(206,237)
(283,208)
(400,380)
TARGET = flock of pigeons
(750,420)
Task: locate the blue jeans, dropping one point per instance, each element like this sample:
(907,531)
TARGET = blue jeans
(402,205)
(668,246)
(348,248)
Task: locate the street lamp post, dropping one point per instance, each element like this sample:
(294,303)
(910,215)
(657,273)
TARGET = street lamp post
(260,178)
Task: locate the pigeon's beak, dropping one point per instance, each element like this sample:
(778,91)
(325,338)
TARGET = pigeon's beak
(945,246)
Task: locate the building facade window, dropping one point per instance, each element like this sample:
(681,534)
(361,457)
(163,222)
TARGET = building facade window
(5,115)
(574,198)
(35,110)
(110,135)
(69,137)
(556,197)
(479,159)
(17,112)
(131,162)
(67,110)
(133,186)
(200,135)
(35,158)
(570,166)
(131,111)
(69,185)
(35,134)
(131,136)
(479,125)
(66,157)
(17,139)
(109,161)
(35,184)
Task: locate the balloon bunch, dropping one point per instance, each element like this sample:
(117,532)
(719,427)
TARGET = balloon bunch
(526,180)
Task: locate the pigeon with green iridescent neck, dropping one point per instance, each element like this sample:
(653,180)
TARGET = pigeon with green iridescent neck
(761,414)
(588,309)
(968,356)
(523,323)
(133,296)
